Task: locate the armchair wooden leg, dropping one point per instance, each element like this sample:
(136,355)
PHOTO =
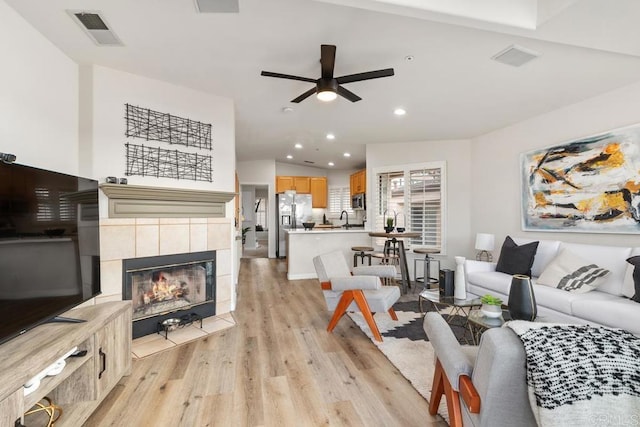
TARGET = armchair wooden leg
(358,295)
(437,389)
(441,385)
(453,404)
(341,309)
(392,313)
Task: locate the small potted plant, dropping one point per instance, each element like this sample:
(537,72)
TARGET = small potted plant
(245,230)
(389,227)
(491,306)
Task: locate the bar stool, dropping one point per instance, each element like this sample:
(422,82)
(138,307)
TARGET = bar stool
(387,259)
(427,260)
(361,253)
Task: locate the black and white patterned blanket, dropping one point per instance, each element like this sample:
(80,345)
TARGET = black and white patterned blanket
(580,375)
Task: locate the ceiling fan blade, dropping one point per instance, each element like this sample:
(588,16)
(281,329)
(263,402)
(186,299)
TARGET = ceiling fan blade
(327,60)
(304,95)
(287,76)
(348,94)
(387,72)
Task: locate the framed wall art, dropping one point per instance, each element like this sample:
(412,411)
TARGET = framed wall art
(590,185)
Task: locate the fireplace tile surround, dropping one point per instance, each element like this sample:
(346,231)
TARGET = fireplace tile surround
(124,238)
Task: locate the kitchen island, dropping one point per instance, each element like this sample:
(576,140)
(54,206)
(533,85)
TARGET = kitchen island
(304,245)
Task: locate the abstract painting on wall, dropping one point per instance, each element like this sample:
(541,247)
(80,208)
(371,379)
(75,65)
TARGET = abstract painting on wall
(591,185)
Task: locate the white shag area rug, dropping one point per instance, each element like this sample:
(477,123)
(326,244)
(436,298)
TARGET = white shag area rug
(412,356)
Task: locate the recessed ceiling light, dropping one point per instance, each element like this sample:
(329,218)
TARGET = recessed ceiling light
(408,58)
(287,109)
(331,164)
(298,145)
(331,136)
(399,111)
(289,156)
(347,154)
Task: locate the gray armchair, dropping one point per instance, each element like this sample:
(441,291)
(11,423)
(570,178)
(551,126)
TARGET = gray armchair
(484,386)
(362,291)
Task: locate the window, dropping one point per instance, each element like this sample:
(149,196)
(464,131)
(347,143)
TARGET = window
(54,207)
(414,196)
(339,200)
(261,213)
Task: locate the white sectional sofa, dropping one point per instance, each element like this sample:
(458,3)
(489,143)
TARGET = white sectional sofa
(607,305)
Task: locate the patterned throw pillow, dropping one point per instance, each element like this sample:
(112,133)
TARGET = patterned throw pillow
(572,273)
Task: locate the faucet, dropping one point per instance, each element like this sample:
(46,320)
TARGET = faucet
(346,224)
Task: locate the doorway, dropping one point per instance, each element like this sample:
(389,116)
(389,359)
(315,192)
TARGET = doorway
(255,219)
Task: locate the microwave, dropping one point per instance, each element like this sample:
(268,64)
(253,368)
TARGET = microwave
(358,202)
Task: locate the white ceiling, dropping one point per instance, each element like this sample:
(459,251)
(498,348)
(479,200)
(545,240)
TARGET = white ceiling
(451,89)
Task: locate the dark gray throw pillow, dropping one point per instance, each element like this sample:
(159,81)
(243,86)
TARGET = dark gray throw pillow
(635,261)
(516,259)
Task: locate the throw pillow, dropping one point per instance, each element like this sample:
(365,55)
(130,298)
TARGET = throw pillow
(572,273)
(516,259)
(635,261)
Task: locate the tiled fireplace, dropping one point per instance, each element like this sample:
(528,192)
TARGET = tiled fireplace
(169,286)
(137,234)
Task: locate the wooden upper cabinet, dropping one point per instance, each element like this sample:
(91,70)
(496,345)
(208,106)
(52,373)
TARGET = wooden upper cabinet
(284,183)
(358,181)
(301,184)
(319,192)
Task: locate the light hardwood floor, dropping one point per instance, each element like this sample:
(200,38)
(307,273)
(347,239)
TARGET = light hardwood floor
(277,367)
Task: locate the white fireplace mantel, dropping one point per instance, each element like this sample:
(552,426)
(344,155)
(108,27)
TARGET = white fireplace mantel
(137,201)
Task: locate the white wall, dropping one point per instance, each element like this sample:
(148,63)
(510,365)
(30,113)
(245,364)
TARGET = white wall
(112,89)
(339,178)
(495,157)
(456,154)
(248,217)
(38,97)
(287,169)
(261,173)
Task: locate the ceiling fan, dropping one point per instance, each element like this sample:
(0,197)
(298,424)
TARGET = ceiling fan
(328,87)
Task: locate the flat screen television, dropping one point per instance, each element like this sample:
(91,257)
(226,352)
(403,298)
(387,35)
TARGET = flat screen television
(49,245)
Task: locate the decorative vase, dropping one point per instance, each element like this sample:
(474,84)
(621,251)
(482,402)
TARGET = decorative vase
(459,283)
(522,301)
(493,311)
(388,229)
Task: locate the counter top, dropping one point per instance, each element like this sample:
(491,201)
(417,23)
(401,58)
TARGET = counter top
(327,230)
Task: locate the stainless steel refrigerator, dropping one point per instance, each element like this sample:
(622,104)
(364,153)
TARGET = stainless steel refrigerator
(293,210)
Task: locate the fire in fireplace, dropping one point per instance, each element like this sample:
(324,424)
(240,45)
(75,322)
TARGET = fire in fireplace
(169,286)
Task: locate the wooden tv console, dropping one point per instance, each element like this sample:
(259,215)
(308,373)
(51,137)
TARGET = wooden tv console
(85,381)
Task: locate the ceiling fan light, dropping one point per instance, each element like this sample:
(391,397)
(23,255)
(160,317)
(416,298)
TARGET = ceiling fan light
(327,95)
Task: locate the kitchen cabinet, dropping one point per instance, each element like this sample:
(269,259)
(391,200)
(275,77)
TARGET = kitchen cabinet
(284,183)
(301,184)
(358,182)
(318,191)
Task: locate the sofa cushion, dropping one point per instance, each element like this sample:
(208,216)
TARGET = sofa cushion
(547,250)
(516,259)
(628,285)
(554,298)
(491,280)
(608,311)
(613,258)
(573,273)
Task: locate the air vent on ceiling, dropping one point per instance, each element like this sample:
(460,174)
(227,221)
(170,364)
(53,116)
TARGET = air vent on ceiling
(95,27)
(309,161)
(217,6)
(515,55)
